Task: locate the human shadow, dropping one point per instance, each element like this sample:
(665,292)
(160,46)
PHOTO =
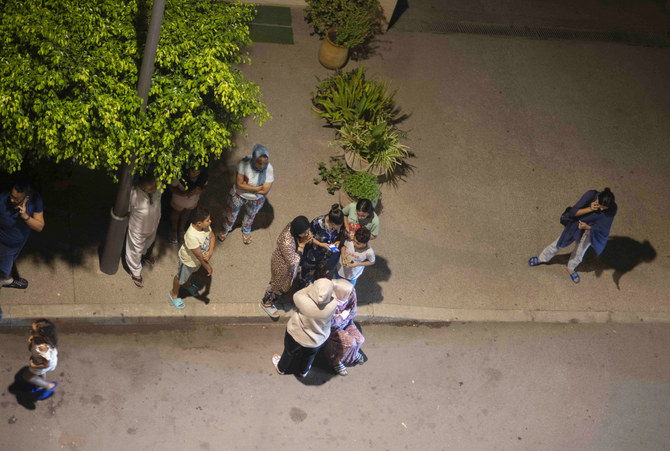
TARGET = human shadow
(21,389)
(320,373)
(368,290)
(622,254)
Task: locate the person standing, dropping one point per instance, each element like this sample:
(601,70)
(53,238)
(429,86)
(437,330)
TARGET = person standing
(285,262)
(307,329)
(316,258)
(145,214)
(587,223)
(185,197)
(21,211)
(361,214)
(253,181)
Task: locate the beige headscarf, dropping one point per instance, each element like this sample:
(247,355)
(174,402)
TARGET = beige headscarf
(342,289)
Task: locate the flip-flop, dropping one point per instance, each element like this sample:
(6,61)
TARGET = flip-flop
(340,369)
(246,238)
(533,261)
(138,281)
(271,310)
(149,260)
(275,361)
(178,303)
(47,393)
(225,235)
(575,277)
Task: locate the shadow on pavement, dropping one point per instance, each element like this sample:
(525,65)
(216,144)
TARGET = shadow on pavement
(622,254)
(368,290)
(21,389)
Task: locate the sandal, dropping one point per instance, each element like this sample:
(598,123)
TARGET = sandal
(275,361)
(575,277)
(178,303)
(246,238)
(222,236)
(360,359)
(138,281)
(48,393)
(533,261)
(271,310)
(340,369)
(149,260)
(19,283)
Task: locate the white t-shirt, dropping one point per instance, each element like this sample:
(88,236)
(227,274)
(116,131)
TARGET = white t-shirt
(251,178)
(350,253)
(193,239)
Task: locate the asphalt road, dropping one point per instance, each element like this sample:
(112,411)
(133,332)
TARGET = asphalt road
(462,386)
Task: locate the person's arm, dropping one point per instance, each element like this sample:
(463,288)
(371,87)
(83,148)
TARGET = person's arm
(36,221)
(365,263)
(201,258)
(239,183)
(265,188)
(212,242)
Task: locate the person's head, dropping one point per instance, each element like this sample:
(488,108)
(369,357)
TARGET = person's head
(193,173)
(300,227)
(201,218)
(45,330)
(342,289)
(19,192)
(361,238)
(335,216)
(364,209)
(147,183)
(606,199)
(260,157)
(321,292)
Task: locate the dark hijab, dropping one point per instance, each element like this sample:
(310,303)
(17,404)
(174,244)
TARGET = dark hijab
(299,225)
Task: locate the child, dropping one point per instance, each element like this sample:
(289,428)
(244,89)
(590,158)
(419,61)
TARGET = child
(145,213)
(356,255)
(44,357)
(196,251)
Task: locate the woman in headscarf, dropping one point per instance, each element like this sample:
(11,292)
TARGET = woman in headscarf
(307,329)
(144,216)
(326,232)
(344,344)
(587,223)
(285,262)
(254,180)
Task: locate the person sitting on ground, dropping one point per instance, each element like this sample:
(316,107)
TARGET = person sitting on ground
(21,211)
(325,232)
(186,193)
(144,216)
(285,262)
(195,252)
(588,223)
(361,214)
(344,343)
(307,329)
(253,182)
(43,357)
(356,255)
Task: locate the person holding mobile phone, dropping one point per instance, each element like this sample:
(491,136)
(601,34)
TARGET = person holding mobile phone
(21,211)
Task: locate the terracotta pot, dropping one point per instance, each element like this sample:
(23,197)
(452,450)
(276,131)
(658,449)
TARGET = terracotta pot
(331,55)
(358,164)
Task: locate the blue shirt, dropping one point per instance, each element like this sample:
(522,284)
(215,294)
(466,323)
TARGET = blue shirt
(13,230)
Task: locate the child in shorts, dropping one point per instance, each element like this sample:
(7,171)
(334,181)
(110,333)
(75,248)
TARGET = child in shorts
(195,252)
(43,357)
(356,255)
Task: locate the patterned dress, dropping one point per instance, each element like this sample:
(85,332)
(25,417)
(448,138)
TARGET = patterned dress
(284,263)
(345,339)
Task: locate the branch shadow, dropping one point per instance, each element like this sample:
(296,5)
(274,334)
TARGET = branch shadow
(622,254)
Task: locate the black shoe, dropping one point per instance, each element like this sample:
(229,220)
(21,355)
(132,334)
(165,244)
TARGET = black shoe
(19,283)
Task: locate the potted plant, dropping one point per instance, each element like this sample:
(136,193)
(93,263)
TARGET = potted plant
(342,24)
(359,185)
(333,176)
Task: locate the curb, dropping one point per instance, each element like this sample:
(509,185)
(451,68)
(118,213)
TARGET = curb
(250,313)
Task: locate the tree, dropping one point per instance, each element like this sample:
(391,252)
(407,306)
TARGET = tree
(68,81)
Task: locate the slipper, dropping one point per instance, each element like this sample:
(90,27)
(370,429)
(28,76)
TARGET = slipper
(246,238)
(340,369)
(178,303)
(533,261)
(305,373)
(173,239)
(271,310)
(47,393)
(575,277)
(360,359)
(275,361)
(137,281)
(19,283)
(149,261)
(36,389)
(194,289)
(222,236)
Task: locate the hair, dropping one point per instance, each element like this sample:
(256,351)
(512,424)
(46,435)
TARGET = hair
(23,186)
(365,206)
(47,331)
(199,215)
(335,214)
(606,198)
(362,235)
(145,178)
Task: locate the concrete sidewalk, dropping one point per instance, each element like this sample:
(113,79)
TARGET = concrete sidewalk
(506,132)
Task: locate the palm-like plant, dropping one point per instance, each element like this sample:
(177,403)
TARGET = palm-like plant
(378,143)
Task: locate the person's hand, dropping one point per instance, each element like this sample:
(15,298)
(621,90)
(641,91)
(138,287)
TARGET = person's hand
(305,239)
(22,208)
(336,244)
(595,206)
(208,268)
(584,226)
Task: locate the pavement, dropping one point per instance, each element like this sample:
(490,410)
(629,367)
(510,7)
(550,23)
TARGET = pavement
(506,131)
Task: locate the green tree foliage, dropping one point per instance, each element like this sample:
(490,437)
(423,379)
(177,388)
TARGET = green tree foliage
(68,81)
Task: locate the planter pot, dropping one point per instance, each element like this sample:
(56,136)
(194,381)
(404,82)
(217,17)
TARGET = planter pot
(331,55)
(346,199)
(358,164)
